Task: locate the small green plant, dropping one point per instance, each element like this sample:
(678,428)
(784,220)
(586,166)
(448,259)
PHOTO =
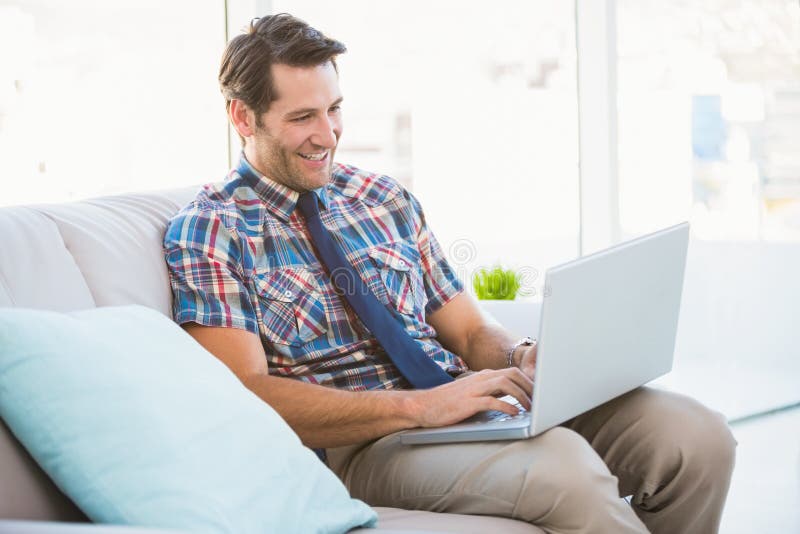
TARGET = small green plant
(496,283)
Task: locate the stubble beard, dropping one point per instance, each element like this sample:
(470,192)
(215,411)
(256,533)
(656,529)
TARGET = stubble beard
(279,166)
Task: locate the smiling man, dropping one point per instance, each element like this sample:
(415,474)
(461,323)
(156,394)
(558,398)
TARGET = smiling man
(323,289)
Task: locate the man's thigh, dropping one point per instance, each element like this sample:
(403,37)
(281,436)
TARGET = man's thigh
(430,477)
(553,480)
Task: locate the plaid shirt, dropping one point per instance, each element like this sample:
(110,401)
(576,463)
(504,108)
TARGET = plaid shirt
(240,256)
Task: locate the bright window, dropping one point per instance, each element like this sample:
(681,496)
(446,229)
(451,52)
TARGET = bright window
(105,97)
(709,117)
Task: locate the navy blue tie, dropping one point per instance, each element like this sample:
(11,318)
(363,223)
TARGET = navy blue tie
(404,351)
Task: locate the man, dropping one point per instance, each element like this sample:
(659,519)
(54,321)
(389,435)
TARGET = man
(254,284)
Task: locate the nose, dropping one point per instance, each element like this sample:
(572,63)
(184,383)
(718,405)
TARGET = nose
(327,131)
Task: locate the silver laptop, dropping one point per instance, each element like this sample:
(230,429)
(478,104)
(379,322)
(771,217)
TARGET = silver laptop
(608,325)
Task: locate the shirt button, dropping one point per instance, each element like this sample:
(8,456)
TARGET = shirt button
(288,294)
(403,263)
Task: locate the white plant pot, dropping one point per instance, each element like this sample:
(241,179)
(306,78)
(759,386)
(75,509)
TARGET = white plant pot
(520,317)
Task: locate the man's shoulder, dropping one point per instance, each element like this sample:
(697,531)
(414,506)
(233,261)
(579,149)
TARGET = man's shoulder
(230,203)
(369,187)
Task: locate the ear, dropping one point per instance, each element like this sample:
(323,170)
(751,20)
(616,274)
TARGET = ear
(242,118)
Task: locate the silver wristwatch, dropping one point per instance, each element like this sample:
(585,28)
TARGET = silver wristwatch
(525,341)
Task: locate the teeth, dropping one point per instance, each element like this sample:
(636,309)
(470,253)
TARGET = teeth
(314,157)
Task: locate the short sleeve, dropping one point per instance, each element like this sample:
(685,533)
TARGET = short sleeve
(441,281)
(204,261)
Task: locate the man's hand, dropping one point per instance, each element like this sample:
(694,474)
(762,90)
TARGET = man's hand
(462,398)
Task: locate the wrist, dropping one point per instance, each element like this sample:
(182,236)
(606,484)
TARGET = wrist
(514,355)
(519,352)
(407,408)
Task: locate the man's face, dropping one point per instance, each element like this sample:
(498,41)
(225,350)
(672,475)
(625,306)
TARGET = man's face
(297,139)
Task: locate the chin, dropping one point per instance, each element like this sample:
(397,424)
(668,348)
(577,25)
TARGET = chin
(321,179)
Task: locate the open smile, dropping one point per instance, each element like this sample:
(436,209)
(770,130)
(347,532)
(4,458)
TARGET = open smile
(322,156)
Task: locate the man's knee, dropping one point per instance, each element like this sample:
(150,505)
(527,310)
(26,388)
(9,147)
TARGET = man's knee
(705,441)
(695,438)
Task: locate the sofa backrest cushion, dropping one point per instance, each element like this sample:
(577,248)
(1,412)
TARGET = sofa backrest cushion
(36,268)
(99,252)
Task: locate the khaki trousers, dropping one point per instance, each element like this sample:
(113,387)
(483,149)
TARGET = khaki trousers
(672,454)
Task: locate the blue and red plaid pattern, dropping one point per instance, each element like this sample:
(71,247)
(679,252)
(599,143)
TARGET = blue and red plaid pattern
(240,256)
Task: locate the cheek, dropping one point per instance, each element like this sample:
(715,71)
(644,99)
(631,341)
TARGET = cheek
(294,139)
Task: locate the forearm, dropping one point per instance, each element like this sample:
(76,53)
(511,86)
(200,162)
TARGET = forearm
(487,347)
(328,417)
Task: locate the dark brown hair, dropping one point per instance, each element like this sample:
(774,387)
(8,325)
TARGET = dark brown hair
(244,73)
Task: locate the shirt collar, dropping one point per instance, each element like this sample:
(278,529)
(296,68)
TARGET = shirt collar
(322,195)
(280,199)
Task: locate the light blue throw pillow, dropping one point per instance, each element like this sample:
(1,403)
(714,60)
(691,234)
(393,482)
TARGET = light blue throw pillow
(140,425)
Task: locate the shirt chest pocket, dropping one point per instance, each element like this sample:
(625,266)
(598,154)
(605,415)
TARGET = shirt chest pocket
(397,265)
(291,306)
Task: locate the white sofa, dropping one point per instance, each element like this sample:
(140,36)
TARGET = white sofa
(104,252)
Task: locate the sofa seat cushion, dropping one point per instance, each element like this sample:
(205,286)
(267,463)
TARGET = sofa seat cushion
(390,521)
(52,527)
(397,521)
(139,425)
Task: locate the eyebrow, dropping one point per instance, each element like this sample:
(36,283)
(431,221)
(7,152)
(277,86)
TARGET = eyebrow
(298,112)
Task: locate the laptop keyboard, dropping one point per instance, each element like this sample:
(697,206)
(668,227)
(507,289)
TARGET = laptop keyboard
(495,416)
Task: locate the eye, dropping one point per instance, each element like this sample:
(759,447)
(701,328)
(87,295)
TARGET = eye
(335,109)
(301,118)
